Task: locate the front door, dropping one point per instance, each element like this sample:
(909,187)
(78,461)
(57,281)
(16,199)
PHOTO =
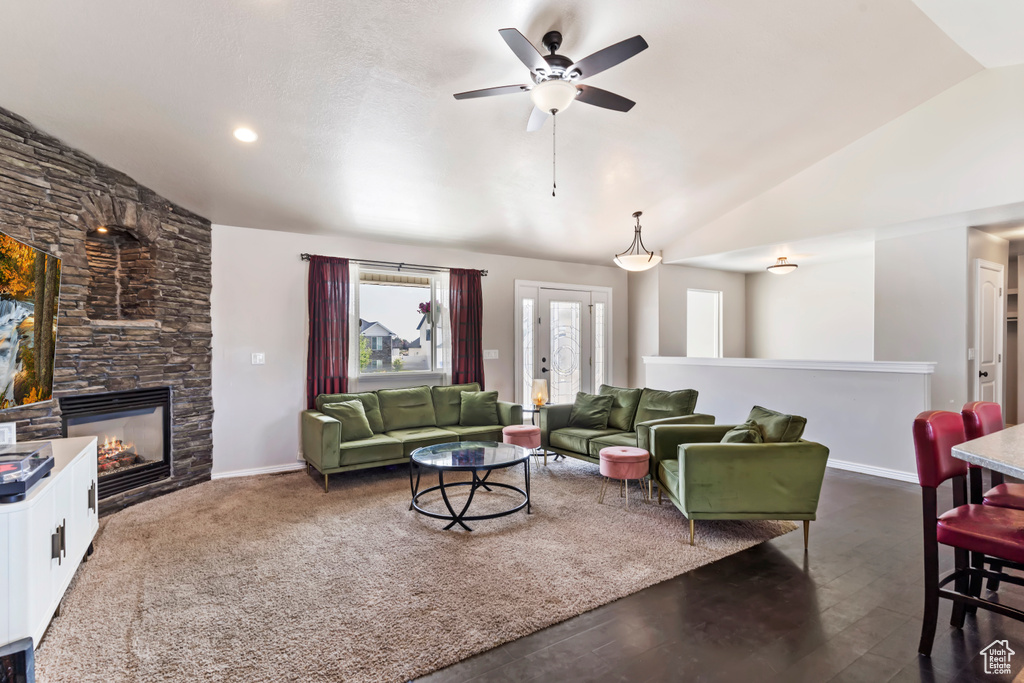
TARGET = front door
(989,323)
(564,343)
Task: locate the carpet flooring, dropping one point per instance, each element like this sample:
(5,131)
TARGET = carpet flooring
(269,579)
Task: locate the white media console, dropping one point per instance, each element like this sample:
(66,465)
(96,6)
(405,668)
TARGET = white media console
(44,538)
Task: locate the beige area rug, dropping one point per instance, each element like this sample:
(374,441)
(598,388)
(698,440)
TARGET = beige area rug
(269,579)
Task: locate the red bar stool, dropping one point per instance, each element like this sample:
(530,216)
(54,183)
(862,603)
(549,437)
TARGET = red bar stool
(982,418)
(968,528)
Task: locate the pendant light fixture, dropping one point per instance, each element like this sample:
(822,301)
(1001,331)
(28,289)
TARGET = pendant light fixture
(782,266)
(637,257)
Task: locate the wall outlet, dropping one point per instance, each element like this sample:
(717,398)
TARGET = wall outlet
(490,354)
(258,359)
(8,433)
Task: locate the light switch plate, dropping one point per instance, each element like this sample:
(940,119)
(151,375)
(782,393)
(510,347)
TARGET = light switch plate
(258,359)
(8,433)
(490,354)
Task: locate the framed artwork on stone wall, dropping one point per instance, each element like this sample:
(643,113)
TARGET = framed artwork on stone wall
(29,294)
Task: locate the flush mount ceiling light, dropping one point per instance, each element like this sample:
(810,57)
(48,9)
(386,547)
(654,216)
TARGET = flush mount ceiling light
(782,266)
(637,257)
(246,135)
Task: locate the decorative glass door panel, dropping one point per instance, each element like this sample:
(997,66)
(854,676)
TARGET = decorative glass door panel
(564,343)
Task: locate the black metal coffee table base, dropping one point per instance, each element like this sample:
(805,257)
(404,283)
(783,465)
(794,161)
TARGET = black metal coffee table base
(477,482)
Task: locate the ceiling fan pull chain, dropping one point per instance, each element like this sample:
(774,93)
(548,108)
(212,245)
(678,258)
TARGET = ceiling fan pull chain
(554,128)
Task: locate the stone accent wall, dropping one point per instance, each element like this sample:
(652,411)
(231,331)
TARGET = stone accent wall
(54,197)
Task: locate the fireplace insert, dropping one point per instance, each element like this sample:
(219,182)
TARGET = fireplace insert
(133,434)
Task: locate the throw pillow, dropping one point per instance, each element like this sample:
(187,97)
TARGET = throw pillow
(624,407)
(656,405)
(352,416)
(370,404)
(479,408)
(748,432)
(778,427)
(591,411)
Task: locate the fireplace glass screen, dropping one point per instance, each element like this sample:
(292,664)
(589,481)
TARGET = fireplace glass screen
(126,439)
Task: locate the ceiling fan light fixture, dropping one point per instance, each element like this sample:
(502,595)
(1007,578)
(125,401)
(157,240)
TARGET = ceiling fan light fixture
(637,257)
(781,267)
(554,95)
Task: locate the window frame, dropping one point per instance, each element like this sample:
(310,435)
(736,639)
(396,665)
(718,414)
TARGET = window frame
(439,367)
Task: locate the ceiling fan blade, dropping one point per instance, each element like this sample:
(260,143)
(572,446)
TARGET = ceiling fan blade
(537,119)
(525,50)
(488,92)
(603,98)
(609,57)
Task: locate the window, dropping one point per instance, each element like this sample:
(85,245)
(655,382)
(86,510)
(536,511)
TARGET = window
(398,322)
(703,323)
(599,336)
(528,351)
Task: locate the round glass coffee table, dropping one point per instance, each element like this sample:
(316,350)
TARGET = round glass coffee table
(468,456)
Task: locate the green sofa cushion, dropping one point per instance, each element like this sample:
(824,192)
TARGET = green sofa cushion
(748,432)
(377,448)
(478,433)
(576,439)
(479,408)
(778,427)
(352,416)
(407,408)
(448,402)
(621,439)
(418,437)
(655,404)
(624,407)
(590,411)
(668,477)
(370,404)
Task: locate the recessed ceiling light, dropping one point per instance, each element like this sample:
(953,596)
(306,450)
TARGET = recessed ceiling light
(246,134)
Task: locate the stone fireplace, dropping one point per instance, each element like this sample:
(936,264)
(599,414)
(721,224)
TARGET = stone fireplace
(134,310)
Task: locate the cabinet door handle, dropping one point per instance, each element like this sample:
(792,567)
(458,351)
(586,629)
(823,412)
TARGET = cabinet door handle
(64,537)
(55,546)
(92,496)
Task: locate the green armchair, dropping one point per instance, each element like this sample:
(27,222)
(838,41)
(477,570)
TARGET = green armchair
(707,479)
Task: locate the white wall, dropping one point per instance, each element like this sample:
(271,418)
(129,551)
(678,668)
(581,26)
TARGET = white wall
(674,281)
(259,304)
(981,245)
(824,312)
(643,321)
(657,312)
(862,411)
(921,308)
(960,151)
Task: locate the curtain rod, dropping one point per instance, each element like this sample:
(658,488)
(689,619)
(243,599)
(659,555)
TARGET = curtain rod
(396,264)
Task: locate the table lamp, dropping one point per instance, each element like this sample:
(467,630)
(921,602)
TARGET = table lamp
(539,392)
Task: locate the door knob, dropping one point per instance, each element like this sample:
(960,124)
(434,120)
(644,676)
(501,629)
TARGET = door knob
(982,374)
(543,369)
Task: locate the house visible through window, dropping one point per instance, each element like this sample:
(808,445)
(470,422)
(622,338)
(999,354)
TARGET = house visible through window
(703,323)
(397,327)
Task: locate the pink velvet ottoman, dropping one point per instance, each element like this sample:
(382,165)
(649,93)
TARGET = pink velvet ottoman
(624,463)
(526,436)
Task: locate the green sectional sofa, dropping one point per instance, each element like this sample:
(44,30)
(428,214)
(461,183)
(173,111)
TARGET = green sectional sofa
(777,478)
(634,412)
(401,420)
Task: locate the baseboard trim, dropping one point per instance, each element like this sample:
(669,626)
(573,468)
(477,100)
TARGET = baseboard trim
(290,467)
(885,472)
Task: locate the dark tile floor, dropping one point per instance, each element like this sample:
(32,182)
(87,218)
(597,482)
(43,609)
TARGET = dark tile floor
(849,610)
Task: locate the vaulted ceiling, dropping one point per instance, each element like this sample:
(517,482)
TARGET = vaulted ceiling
(360,135)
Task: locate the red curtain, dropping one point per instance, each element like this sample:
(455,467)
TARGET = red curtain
(466,304)
(327,360)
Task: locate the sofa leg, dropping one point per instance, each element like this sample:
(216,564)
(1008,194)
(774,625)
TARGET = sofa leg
(691,532)
(326,488)
(807,532)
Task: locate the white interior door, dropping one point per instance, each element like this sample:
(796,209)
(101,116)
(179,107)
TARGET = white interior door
(988,313)
(564,343)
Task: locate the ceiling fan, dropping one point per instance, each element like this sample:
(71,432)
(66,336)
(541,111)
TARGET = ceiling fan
(555,77)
